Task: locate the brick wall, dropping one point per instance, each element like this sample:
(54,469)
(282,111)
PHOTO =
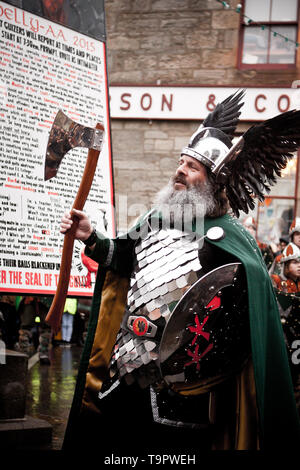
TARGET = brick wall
(145,155)
(188,42)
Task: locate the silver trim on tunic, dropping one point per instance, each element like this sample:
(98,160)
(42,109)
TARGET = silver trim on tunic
(109,254)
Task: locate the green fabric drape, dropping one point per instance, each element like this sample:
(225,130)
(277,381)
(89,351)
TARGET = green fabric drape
(274,390)
(279,421)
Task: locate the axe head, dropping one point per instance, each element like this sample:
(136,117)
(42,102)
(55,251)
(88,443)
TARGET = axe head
(66,134)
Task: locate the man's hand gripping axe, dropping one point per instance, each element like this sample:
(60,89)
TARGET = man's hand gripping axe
(66,134)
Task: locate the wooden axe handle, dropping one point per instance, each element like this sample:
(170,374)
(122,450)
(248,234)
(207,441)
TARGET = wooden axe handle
(55,313)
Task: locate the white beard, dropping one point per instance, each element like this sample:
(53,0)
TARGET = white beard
(184,206)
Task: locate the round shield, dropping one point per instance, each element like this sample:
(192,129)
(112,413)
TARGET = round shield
(207,336)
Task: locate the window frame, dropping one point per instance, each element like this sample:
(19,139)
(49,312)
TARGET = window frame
(290,198)
(266,66)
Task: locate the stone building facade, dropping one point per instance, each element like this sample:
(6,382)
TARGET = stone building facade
(171,42)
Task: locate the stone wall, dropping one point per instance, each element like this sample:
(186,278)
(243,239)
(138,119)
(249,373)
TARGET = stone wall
(188,42)
(179,42)
(145,155)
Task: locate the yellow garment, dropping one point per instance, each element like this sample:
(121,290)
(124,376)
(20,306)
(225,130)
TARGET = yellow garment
(114,296)
(70,306)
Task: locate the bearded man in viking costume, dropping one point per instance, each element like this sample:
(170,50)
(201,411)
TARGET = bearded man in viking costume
(185,347)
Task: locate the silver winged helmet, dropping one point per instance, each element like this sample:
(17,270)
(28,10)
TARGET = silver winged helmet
(253,163)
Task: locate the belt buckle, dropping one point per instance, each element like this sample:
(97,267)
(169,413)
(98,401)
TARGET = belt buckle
(141,326)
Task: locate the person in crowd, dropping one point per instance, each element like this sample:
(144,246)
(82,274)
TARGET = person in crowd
(266,250)
(34,332)
(294,236)
(70,310)
(287,286)
(9,321)
(283,242)
(185,344)
(83,312)
(79,324)
(289,279)
(294,232)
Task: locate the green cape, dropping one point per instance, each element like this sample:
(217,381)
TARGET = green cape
(279,421)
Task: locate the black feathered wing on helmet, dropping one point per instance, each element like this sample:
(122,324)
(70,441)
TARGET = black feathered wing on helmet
(248,168)
(266,150)
(212,140)
(225,116)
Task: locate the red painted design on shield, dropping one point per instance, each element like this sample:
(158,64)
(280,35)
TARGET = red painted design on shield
(196,356)
(214,303)
(198,329)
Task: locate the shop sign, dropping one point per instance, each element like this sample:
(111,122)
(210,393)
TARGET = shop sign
(193,103)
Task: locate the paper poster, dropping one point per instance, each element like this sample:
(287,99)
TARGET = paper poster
(45,67)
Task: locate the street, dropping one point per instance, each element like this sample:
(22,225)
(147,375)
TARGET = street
(50,390)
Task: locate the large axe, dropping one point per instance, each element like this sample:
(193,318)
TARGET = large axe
(66,134)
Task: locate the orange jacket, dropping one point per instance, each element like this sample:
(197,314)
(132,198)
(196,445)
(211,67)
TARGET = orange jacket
(286,285)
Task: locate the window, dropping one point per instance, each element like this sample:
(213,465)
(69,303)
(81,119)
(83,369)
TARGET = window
(274,216)
(268,33)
